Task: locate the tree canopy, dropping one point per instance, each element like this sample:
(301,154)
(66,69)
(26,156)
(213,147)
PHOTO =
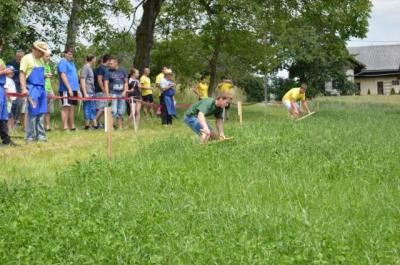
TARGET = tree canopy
(234,38)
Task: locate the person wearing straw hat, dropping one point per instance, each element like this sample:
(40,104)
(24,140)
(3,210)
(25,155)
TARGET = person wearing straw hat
(167,87)
(291,98)
(32,79)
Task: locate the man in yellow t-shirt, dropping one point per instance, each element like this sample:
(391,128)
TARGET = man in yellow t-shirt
(161,76)
(147,91)
(201,90)
(292,97)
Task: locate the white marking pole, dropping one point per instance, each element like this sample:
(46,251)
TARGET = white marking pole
(106,119)
(240,112)
(109,132)
(306,116)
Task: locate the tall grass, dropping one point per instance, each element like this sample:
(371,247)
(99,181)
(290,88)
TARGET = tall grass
(321,191)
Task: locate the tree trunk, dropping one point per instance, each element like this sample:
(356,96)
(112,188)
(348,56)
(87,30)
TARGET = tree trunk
(73,24)
(213,64)
(145,33)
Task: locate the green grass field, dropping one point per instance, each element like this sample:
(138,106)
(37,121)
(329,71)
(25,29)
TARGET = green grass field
(325,190)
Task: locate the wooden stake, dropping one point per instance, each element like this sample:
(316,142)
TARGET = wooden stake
(317,105)
(240,112)
(305,116)
(108,119)
(133,113)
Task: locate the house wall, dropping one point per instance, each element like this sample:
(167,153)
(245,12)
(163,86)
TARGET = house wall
(372,84)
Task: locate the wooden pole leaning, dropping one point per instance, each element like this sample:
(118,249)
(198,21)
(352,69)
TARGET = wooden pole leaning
(240,112)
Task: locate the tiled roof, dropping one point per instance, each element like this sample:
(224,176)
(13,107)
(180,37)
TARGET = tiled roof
(377,58)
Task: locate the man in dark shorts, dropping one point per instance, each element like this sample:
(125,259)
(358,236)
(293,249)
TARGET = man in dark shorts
(68,86)
(147,91)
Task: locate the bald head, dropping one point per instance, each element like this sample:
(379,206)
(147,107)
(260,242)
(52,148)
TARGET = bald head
(146,71)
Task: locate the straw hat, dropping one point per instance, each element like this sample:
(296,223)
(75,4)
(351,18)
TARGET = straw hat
(41,46)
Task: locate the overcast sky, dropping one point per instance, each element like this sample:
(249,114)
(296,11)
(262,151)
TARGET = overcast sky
(384,24)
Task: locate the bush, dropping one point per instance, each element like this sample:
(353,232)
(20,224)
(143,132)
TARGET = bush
(392,91)
(369,92)
(254,88)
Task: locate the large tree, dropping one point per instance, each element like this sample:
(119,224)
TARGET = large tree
(145,32)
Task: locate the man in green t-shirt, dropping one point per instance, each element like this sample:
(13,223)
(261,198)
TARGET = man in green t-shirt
(49,89)
(195,117)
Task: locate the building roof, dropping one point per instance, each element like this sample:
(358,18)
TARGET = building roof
(377,58)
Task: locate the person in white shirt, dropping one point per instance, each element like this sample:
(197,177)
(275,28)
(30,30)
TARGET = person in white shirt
(10,88)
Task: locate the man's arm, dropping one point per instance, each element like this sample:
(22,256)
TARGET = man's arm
(83,86)
(101,84)
(22,82)
(220,127)
(66,83)
(196,90)
(106,88)
(125,88)
(305,104)
(203,123)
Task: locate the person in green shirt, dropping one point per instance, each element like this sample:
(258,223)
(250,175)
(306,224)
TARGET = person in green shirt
(49,89)
(195,117)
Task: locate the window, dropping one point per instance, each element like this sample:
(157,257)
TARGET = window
(395,82)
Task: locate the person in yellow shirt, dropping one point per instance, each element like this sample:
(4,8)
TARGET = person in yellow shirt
(291,98)
(147,91)
(161,76)
(201,90)
(226,86)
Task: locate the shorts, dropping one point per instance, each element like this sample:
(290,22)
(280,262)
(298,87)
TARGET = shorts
(68,102)
(148,98)
(89,110)
(118,106)
(50,102)
(16,107)
(100,104)
(288,104)
(194,124)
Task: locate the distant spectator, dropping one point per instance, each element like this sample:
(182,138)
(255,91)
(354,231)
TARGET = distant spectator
(167,86)
(116,84)
(5,137)
(68,87)
(201,90)
(88,91)
(49,90)
(17,104)
(32,79)
(10,88)
(161,76)
(134,94)
(100,92)
(147,91)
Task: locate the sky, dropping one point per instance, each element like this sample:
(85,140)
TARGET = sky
(384,24)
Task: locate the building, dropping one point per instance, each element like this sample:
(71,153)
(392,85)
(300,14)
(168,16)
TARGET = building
(377,69)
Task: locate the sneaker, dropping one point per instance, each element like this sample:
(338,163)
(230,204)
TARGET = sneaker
(44,140)
(87,127)
(73,130)
(10,144)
